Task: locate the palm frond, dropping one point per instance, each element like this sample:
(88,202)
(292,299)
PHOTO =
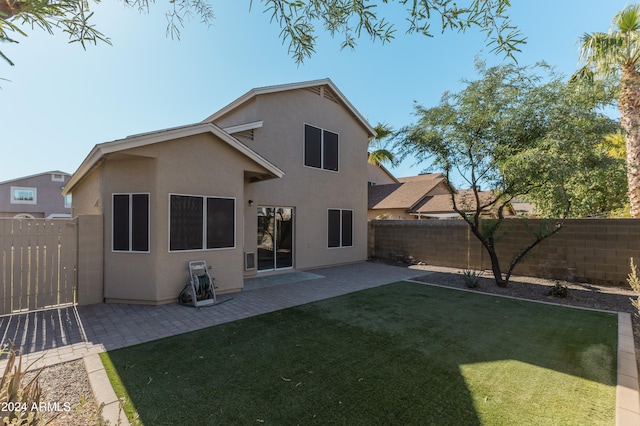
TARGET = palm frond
(382,156)
(627,20)
(378,152)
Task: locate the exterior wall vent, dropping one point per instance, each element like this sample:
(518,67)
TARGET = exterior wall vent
(249,261)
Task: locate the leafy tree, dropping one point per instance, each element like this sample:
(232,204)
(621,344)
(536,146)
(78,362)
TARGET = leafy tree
(572,154)
(518,133)
(73,17)
(617,54)
(297,19)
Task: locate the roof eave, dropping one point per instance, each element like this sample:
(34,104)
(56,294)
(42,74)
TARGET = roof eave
(292,86)
(99,151)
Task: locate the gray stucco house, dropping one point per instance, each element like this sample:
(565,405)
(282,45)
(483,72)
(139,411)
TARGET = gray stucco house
(35,196)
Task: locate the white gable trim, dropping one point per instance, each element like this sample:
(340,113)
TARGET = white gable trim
(99,151)
(243,127)
(293,86)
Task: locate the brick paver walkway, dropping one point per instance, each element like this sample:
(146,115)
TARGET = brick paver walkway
(65,334)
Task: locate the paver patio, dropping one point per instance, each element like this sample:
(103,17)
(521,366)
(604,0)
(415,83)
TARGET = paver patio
(69,333)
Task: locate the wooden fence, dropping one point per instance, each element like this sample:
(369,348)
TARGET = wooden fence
(38,264)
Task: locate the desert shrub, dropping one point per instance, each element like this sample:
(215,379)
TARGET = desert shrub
(634,282)
(471,278)
(559,290)
(19,401)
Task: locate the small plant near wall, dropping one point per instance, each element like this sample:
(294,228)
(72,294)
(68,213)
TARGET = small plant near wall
(471,278)
(19,401)
(559,290)
(634,282)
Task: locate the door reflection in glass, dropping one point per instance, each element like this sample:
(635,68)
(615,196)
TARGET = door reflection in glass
(275,238)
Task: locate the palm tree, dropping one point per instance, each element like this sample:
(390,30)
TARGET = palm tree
(617,54)
(378,154)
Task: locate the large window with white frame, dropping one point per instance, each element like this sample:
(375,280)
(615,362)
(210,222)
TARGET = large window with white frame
(320,148)
(22,195)
(130,223)
(198,222)
(339,228)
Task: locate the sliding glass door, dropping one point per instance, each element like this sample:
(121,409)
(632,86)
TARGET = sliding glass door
(275,238)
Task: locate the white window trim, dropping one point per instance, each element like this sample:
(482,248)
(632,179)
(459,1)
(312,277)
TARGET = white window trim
(24,188)
(130,194)
(57,177)
(353,236)
(322,150)
(204,223)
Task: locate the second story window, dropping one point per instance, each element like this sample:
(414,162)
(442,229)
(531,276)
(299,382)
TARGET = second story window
(23,195)
(320,148)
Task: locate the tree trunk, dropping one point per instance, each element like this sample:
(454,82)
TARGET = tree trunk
(629,106)
(495,267)
(10,8)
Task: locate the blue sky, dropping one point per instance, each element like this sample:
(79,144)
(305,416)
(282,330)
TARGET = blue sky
(61,100)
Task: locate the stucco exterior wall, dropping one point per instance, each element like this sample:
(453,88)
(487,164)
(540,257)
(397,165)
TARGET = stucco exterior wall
(90,273)
(88,194)
(311,192)
(378,176)
(199,165)
(211,168)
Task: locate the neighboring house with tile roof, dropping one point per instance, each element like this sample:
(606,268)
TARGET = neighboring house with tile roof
(524,208)
(425,196)
(400,200)
(441,206)
(35,196)
(274,181)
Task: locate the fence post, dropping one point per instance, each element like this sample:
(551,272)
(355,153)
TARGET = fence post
(90,259)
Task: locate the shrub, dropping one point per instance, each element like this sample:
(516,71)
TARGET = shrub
(19,401)
(634,282)
(559,290)
(471,278)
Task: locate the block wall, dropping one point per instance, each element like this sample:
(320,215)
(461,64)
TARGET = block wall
(589,250)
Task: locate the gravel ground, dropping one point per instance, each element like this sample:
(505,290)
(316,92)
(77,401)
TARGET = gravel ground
(68,382)
(67,393)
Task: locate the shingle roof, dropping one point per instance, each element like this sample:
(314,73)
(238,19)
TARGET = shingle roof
(442,203)
(52,172)
(404,195)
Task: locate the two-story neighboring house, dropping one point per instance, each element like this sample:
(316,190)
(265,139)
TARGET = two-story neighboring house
(35,196)
(272,182)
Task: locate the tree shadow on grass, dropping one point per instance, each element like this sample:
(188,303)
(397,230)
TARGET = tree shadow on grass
(398,354)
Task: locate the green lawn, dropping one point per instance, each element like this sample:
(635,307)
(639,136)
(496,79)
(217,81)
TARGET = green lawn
(401,354)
